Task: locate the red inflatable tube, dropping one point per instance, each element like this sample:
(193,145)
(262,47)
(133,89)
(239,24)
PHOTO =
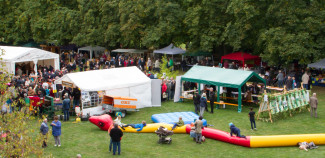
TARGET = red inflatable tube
(222,136)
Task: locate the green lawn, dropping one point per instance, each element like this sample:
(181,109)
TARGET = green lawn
(88,140)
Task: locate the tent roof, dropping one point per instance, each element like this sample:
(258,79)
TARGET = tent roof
(220,77)
(96,48)
(129,50)
(171,49)
(98,80)
(197,53)
(239,56)
(22,54)
(320,64)
(69,47)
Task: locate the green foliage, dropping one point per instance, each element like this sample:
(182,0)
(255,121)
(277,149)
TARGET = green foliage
(280,31)
(22,138)
(164,69)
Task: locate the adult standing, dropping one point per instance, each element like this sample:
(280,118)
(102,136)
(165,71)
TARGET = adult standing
(305,79)
(198,130)
(149,64)
(110,141)
(66,91)
(157,64)
(116,135)
(169,86)
(196,99)
(309,81)
(56,131)
(313,102)
(163,90)
(211,99)
(66,107)
(289,83)
(280,79)
(44,130)
(172,88)
(203,104)
(76,97)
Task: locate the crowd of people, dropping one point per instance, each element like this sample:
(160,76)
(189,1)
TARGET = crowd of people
(35,86)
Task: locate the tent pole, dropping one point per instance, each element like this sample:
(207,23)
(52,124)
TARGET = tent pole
(239,99)
(199,89)
(218,96)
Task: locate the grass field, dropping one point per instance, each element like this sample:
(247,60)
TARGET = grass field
(88,140)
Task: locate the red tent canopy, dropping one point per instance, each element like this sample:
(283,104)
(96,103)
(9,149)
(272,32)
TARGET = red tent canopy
(241,56)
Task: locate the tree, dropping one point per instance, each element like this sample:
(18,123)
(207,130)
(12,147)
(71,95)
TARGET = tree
(294,32)
(164,69)
(18,135)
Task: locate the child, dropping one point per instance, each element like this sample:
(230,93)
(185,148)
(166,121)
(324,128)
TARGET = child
(305,146)
(251,115)
(179,123)
(118,121)
(235,130)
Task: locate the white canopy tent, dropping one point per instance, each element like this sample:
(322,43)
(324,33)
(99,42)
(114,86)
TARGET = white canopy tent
(127,81)
(92,50)
(171,50)
(319,65)
(13,55)
(130,51)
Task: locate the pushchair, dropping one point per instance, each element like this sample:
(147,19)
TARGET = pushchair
(163,134)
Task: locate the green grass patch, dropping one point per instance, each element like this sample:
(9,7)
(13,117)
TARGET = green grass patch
(88,140)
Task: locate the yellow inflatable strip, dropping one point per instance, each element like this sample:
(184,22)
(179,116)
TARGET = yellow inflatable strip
(151,128)
(286,140)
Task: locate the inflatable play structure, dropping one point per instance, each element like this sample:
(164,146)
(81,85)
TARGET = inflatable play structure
(104,121)
(171,118)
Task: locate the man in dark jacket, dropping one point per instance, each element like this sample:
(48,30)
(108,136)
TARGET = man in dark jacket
(66,91)
(235,130)
(211,99)
(66,107)
(196,99)
(76,97)
(116,135)
(289,83)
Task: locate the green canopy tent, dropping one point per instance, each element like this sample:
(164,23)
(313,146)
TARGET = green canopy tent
(222,77)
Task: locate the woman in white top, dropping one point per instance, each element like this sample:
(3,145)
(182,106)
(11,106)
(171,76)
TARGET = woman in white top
(118,120)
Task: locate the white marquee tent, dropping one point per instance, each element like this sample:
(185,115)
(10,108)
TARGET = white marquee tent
(127,81)
(319,65)
(92,50)
(13,55)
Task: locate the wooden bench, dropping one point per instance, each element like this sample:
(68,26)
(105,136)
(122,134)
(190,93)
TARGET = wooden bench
(224,103)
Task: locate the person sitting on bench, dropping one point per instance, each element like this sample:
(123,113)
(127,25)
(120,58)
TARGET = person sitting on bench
(179,123)
(140,126)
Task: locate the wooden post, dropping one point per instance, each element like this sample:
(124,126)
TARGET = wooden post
(261,104)
(268,107)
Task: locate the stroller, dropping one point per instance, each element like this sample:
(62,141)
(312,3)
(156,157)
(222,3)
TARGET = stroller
(163,134)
